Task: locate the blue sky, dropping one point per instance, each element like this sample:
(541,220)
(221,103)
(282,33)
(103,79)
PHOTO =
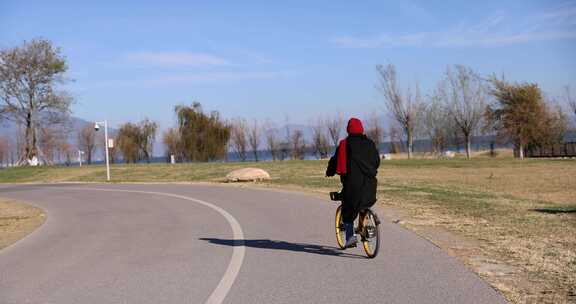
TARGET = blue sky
(280,60)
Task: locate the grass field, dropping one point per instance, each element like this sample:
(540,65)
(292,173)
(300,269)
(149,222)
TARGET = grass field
(517,219)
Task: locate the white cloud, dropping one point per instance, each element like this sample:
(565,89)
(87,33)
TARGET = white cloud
(496,30)
(175,58)
(211,77)
(188,79)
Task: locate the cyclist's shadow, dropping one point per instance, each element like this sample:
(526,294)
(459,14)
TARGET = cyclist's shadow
(282,245)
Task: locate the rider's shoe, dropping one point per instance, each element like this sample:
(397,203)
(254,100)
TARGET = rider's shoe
(351,243)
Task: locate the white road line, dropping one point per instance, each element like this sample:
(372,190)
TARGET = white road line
(238,252)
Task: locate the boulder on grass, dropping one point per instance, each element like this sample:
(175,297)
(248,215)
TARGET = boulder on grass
(247,175)
(449,154)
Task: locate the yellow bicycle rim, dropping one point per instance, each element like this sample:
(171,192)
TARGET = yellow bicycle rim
(339,237)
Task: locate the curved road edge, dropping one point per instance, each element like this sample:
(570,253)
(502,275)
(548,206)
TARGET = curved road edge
(23,218)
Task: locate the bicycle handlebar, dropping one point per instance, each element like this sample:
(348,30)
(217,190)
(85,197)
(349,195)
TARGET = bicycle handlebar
(336,196)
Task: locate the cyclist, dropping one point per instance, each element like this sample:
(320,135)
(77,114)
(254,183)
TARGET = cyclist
(356,160)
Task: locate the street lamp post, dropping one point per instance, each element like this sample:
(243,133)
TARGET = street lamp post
(97,127)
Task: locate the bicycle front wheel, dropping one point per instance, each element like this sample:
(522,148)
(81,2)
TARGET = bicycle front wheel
(340,230)
(371,234)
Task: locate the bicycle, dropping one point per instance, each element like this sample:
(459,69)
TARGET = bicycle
(368,228)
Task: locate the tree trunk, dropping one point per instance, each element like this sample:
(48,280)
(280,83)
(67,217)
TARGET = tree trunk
(30,141)
(468,145)
(521,151)
(410,143)
(255,155)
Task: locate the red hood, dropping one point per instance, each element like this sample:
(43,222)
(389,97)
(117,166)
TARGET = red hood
(355,126)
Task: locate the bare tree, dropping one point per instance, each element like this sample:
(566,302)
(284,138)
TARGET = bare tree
(334,126)
(298,144)
(320,143)
(28,75)
(405,107)
(570,99)
(466,95)
(394,140)
(238,138)
(4,151)
(272,141)
(87,141)
(254,139)
(436,121)
(286,144)
(66,153)
(374,130)
(48,144)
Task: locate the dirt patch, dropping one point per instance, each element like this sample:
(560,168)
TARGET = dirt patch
(17,220)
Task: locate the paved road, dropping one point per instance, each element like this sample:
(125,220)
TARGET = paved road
(198,244)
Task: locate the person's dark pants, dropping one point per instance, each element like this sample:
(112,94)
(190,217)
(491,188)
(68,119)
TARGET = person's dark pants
(349,214)
(349,230)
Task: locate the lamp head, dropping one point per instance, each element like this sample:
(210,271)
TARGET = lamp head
(96,127)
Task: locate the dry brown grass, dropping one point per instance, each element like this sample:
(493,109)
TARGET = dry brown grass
(521,217)
(17,220)
(549,181)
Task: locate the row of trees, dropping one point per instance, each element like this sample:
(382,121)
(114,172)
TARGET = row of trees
(465,104)
(290,142)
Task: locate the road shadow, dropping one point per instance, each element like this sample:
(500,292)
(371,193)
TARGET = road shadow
(556,210)
(282,245)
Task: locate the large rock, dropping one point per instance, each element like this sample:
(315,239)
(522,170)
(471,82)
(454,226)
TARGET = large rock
(449,154)
(247,175)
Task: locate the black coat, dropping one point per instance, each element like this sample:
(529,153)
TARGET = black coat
(359,183)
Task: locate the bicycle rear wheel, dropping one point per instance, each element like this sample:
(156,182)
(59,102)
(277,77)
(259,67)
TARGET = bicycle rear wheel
(371,234)
(340,230)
